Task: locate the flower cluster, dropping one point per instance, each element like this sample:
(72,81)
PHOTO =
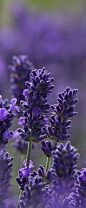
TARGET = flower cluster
(60,120)
(35,105)
(63,111)
(59,184)
(55,185)
(35,190)
(65,166)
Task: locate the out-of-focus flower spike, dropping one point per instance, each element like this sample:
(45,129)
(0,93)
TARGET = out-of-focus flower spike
(19,73)
(6,117)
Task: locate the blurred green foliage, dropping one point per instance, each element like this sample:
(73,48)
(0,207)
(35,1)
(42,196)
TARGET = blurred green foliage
(52,4)
(58,4)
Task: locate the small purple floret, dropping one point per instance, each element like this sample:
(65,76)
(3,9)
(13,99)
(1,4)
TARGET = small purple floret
(13,105)
(26,93)
(83,174)
(7,135)
(36,111)
(16,135)
(3,114)
(0,99)
(30,163)
(22,121)
(25,172)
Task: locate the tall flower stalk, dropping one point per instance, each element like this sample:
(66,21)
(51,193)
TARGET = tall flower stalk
(34,107)
(60,121)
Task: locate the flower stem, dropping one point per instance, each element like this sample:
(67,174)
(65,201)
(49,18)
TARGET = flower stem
(20,192)
(47,163)
(29,151)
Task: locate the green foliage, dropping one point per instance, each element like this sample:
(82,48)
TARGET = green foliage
(52,5)
(57,4)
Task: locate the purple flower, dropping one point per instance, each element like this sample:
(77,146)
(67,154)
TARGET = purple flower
(22,121)
(25,172)
(63,112)
(47,148)
(30,164)
(5,176)
(8,135)
(83,174)
(26,93)
(64,164)
(36,111)
(34,191)
(0,99)
(16,135)
(13,105)
(72,201)
(3,114)
(36,104)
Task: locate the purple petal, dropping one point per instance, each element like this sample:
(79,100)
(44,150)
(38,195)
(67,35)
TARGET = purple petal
(22,121)
(24,172)
(13,105)
(3,114)
(30,163)
(45,120)
(36,111)
(16,135)
(25,161)
(7,135)
(14,101)
(0,99)
(26,93)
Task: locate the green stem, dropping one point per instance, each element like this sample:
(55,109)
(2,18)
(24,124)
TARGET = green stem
(47,163)
(20,193)
(29,151)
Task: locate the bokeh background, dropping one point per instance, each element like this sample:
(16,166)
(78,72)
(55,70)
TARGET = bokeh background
(52,34)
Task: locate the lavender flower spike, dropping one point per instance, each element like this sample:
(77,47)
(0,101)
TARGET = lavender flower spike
(35,105)
(35,191)
(63,112)
(5,176)
(19,73)
(65,159)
